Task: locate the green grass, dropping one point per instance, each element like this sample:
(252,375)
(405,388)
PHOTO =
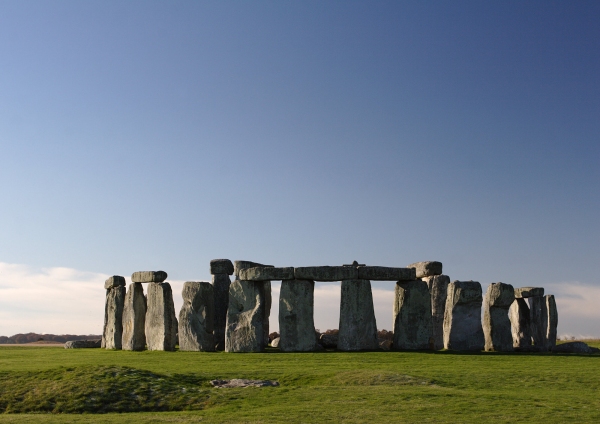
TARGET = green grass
(66,385)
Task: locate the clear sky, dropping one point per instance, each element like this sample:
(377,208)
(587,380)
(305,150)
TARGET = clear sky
(160,135)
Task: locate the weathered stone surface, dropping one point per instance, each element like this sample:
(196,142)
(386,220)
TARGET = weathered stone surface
(148,277)
(296,316)
(520,323)
(275,342)
(82,344)
(427,269)
(114,281)
(112,334)
(524,292)
(329,341)
(538,315)
(412,316)
(358,328)
(196,317)
(245,317)
(496,324)
(383,273)
(221,266)
(242,382)
(326,273)
(552,321)
(438,289)
(385,344)
(266,273)
(221,283)
(574,347)
(161,322)
(134,318)
(239,265)
(266,287)
(462,319)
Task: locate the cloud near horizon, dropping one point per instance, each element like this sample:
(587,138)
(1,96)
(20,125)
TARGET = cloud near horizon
(68,301)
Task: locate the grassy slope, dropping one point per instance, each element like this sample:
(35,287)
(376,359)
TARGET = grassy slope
(331,387)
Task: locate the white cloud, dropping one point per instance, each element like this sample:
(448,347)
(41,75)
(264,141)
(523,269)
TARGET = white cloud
(65,300)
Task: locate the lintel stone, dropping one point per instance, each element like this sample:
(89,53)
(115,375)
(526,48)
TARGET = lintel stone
(148,277)
(326,273)
(114,281)
(221,266)
(427,269)
(524,292)
(383,273)
(266,273)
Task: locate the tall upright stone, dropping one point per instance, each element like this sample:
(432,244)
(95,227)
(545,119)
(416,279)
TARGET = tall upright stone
(412,316)
(438,290)
(245,317)
(265,286)
(112,333)
(520,322)
(134,318)
(196,317)
(220,269)
(462,319)
(496,324)
(538,314)
(296,316)
(161,322)
(358,328)
(552,321)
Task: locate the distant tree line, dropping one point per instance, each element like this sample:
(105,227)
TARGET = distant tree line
(34,337)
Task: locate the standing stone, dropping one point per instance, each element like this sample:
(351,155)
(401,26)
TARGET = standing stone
(539,321)
(245,317)
(161,322)
(296,316)
(438,289)
(113,312)
(358,329)
(496,324)
(520,322)
(221,266)
(552,321)
(427,269)
(196,317)
(412,316)
(134,318)
(462,318)
(221,283)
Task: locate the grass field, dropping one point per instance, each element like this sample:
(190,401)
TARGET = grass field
(319,387)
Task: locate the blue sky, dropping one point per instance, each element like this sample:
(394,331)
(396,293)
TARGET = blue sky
(160,135)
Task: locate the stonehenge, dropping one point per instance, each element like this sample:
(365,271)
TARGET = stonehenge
(196,317)
(429,311)
(113,312)
(497,329)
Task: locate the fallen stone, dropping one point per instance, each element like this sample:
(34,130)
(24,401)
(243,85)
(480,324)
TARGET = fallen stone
(326,273)
(82,344)
(524,292)
(242,382)
(273,335)
(266,273)
(196,317)
(148,277)
(538,314)
(552,321)
(329,341)
(275,342)
(462,319)
(358,328)
(412,316)
(574,347)
(161,322)
(239,265)
(296,316)
(221,283)
(520,323)
(114,281)
(134,318)
(496,324)
(112,334)
(427,269)
(438,289)
(221,266)
(382,273)
(245,317)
